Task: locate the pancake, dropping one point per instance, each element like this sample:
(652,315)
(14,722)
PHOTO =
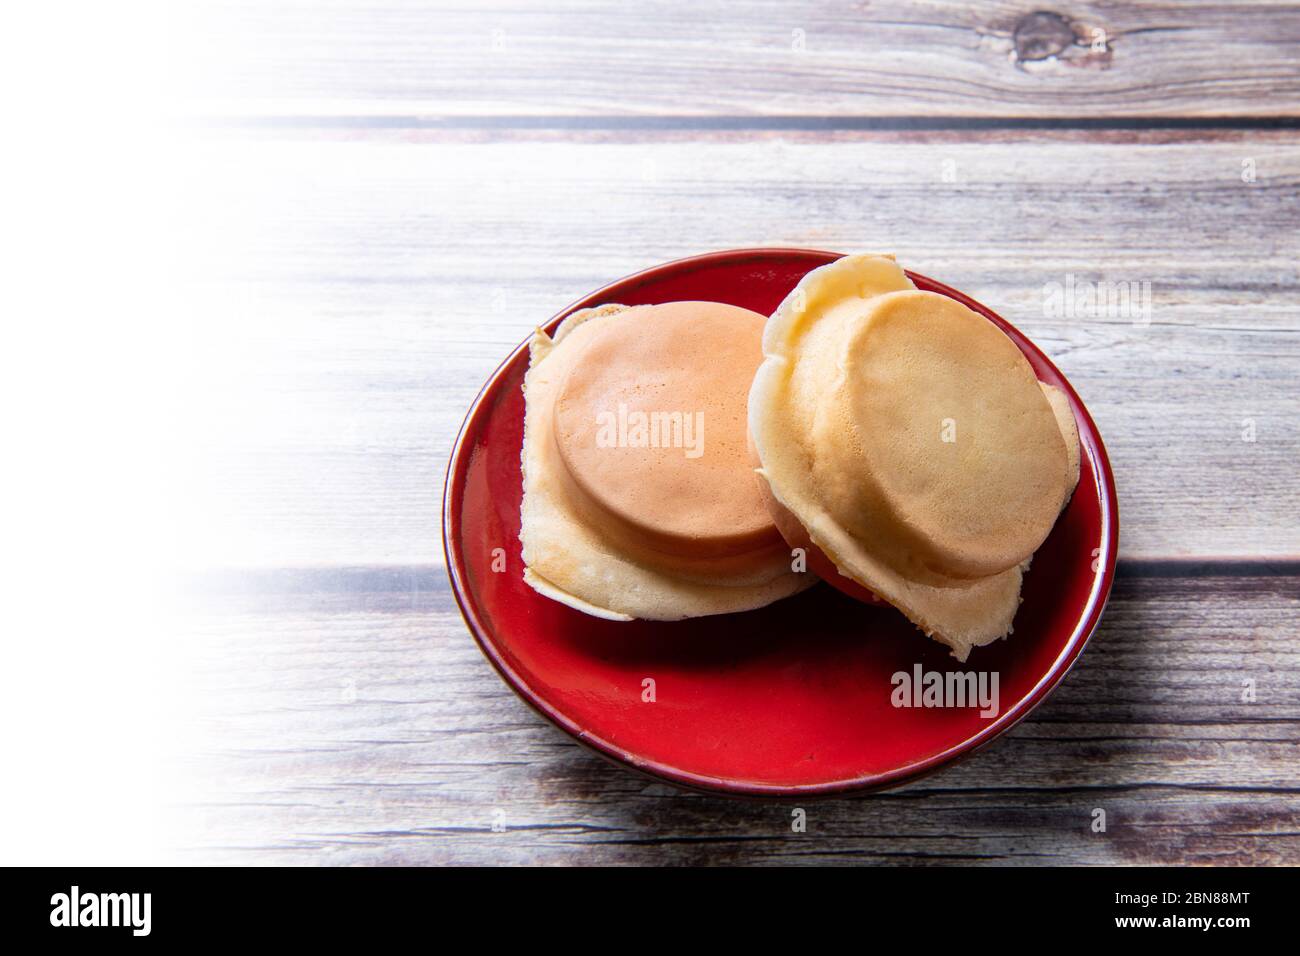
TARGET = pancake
(1069,432)
(639,498)
(911,442)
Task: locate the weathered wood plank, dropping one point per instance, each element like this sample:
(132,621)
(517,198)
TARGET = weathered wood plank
(348,299)
(343,726)
(884,58)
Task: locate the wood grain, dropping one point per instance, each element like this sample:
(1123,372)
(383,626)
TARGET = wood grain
(349,298)
(347,717)
(772,58)
(383,198)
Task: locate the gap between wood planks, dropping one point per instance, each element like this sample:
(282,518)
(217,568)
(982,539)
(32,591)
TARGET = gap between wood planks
(754,123)
(346,579)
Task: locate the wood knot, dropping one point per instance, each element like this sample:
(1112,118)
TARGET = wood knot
(1041,35)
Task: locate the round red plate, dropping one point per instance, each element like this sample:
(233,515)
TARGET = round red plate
(792,699)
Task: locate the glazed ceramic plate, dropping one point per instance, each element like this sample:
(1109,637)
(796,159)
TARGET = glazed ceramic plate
(793,699)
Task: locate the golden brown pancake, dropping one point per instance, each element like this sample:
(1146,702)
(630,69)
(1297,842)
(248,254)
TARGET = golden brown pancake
(912,442)
(1069,432)
(691,373)
(639,499)
(946,446)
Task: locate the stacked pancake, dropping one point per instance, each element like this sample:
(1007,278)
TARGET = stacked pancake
(906,440)
(639,495)
(903,446)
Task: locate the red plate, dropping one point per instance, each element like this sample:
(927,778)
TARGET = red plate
(792,699)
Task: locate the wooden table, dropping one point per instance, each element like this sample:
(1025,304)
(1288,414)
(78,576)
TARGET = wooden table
(392,195)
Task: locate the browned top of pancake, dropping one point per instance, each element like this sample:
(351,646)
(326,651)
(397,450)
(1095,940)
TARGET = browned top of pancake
(627,426)
(958,442)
